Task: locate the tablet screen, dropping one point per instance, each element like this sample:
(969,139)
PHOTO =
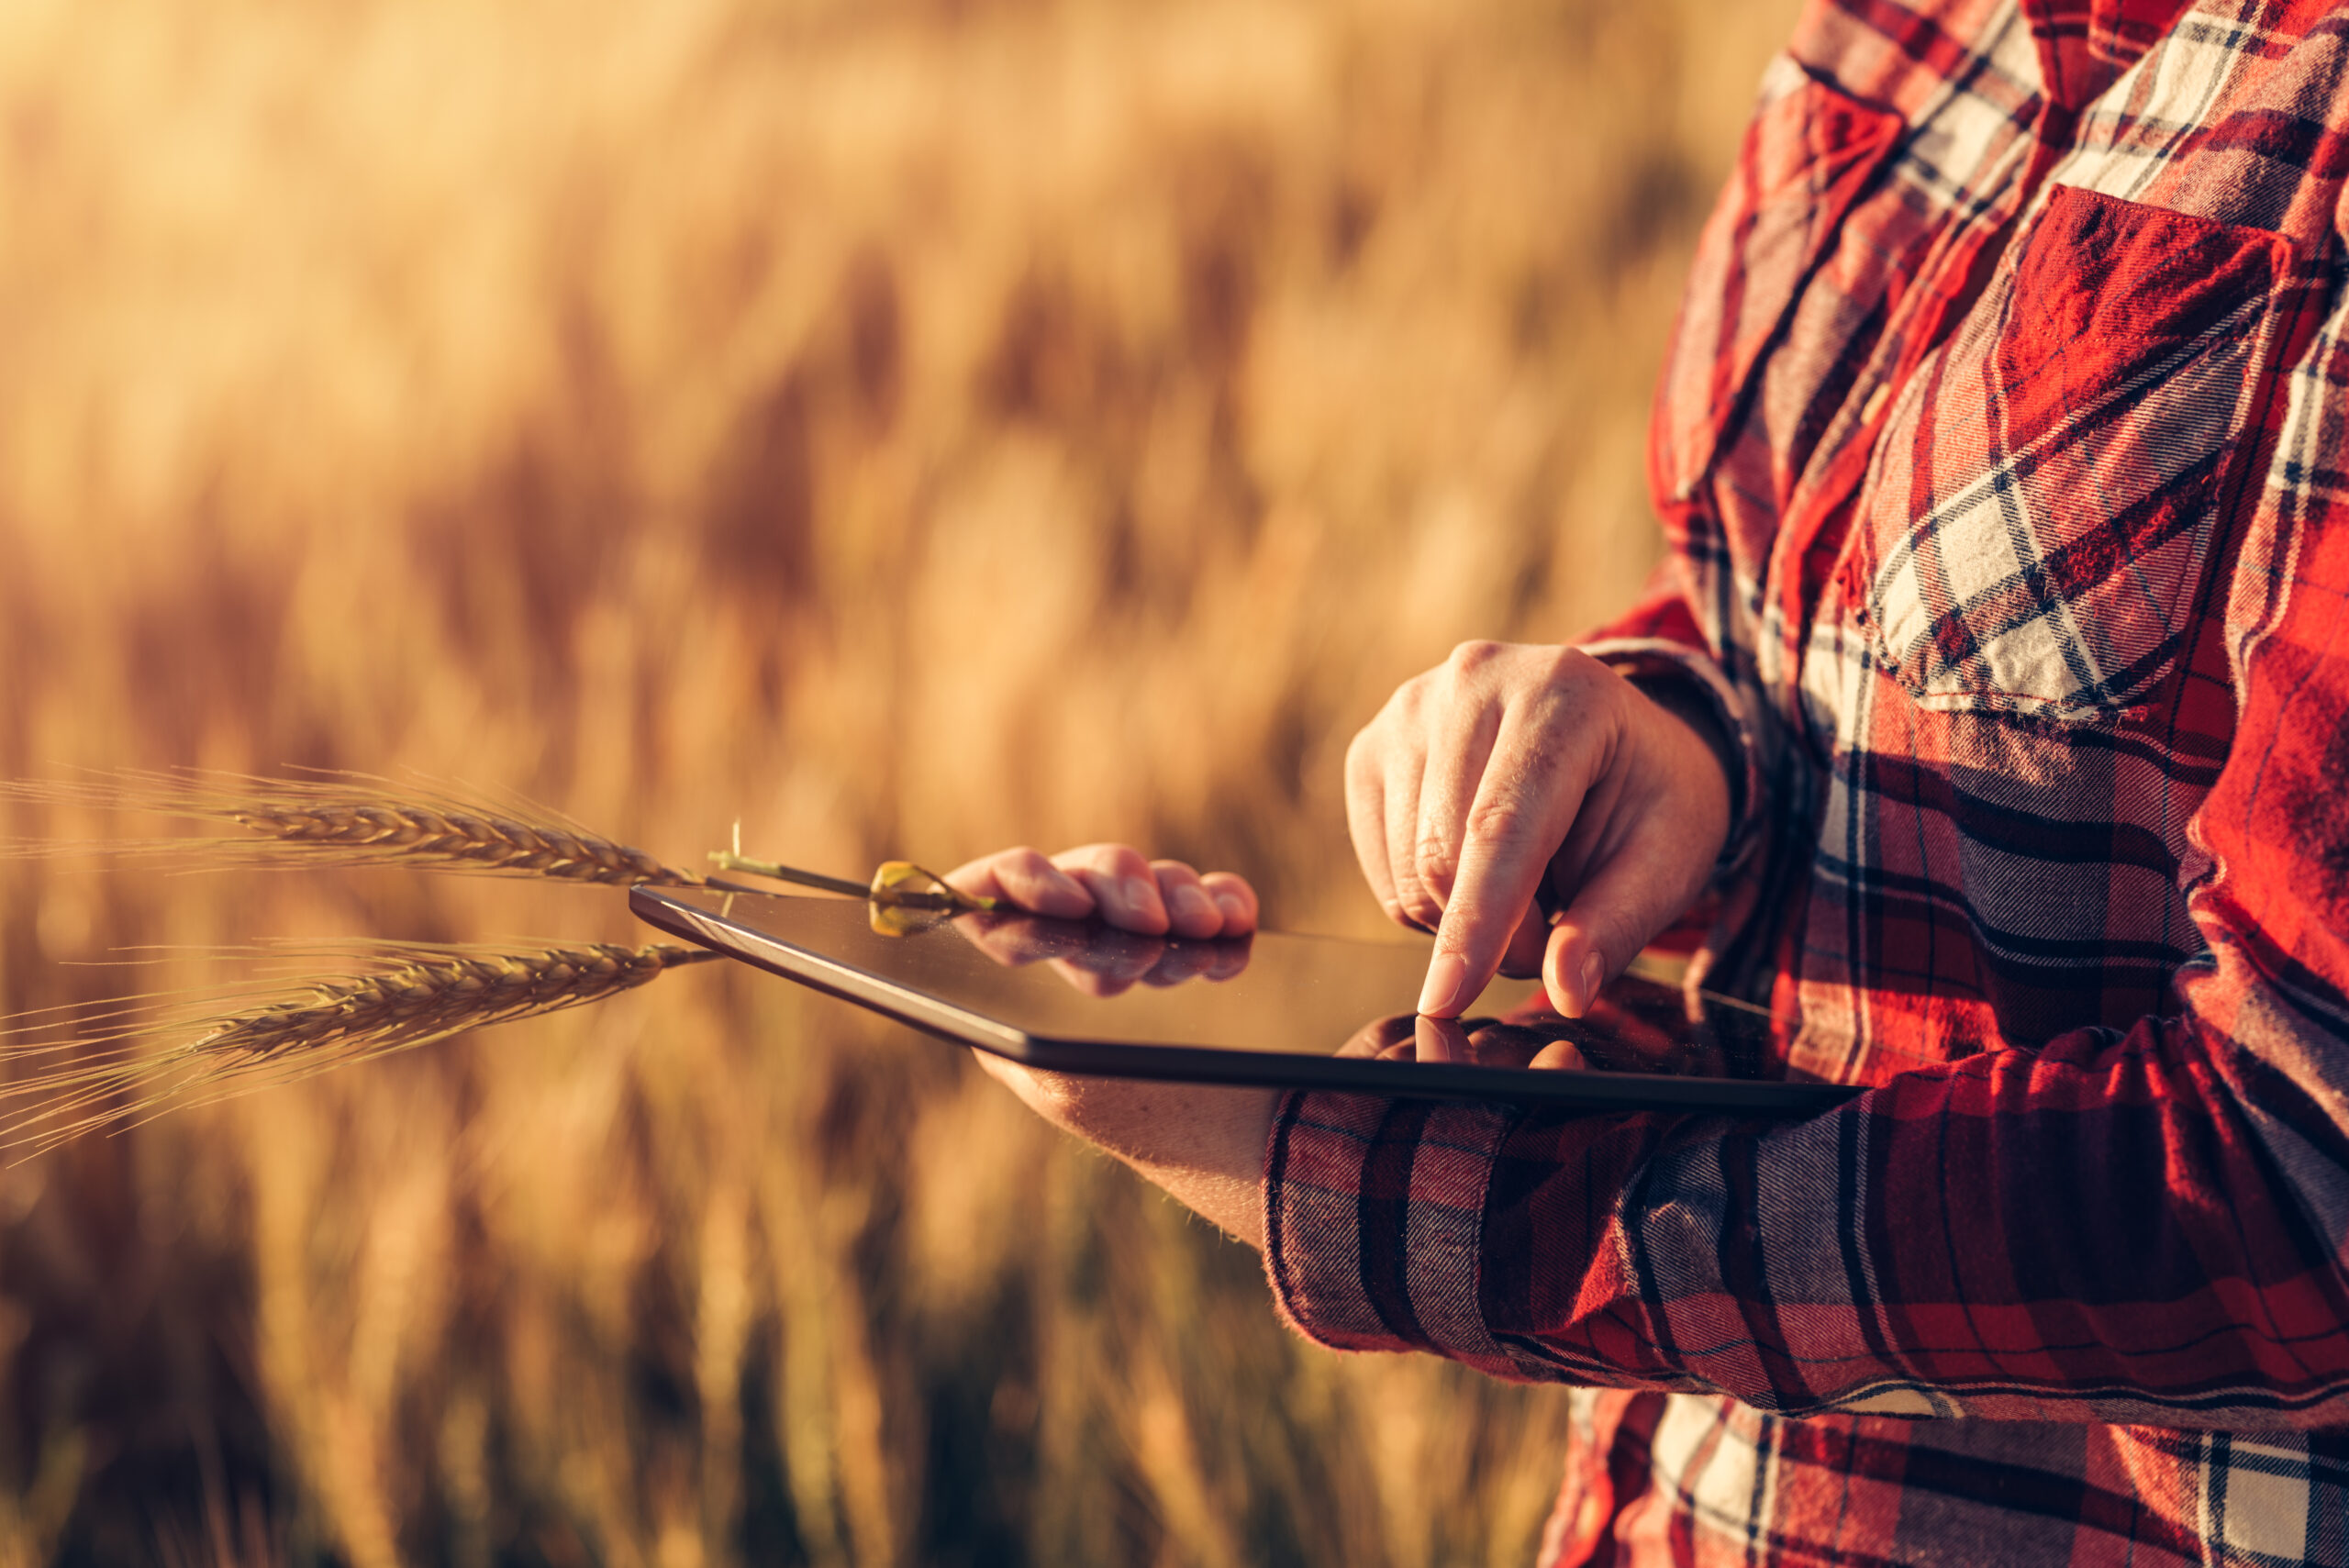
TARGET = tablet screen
(1082,996)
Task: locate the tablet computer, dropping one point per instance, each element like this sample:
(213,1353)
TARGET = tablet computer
(1274,1009)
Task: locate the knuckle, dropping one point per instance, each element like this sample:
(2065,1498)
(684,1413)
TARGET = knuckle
(1573,665)
(1574,687)
(1473,655)
(1496,820)
(1400,711)
(1123,859)
(1437,861)
(1228,882)
(1092,859)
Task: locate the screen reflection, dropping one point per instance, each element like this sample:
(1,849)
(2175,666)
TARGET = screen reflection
(1101,961)
(1637,1025)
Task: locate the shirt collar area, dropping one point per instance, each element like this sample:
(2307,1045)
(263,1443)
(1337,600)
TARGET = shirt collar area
(2084,45)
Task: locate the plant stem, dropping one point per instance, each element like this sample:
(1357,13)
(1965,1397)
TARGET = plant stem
(728,859)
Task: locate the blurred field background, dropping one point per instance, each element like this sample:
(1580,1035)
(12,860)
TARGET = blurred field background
(909,427)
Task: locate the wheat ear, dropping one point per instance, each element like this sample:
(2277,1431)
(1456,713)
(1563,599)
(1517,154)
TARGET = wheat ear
(432,996)
(151,1055)
(351,820)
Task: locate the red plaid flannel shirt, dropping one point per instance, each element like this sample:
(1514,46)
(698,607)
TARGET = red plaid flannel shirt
(1997,447)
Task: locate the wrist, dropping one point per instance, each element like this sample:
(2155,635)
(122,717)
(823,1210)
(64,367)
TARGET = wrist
(1680,697)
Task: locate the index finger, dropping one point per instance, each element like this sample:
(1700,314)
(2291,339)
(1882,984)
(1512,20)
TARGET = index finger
(1516,823)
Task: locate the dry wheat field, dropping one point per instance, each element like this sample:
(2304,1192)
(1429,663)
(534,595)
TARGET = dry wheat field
(907,427)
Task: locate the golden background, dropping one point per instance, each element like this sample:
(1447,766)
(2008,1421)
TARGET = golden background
(907,428)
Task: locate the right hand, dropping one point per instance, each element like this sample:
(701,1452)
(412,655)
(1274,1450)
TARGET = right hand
(1508,767)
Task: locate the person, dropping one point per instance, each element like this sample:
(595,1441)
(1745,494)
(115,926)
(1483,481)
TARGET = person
(1992,713)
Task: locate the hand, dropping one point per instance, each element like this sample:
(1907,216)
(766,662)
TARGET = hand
(1113,881)
(1510,770)
(1205,1146)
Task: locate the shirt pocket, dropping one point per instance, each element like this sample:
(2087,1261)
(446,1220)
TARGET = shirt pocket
(2049,490)
(1808,153)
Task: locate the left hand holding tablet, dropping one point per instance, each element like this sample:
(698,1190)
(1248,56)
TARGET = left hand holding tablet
(1205,1146)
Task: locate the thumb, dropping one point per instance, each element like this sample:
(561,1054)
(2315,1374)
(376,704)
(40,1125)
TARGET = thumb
(1618,910)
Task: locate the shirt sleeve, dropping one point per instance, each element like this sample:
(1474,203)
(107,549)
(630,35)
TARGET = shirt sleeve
(2148,1226)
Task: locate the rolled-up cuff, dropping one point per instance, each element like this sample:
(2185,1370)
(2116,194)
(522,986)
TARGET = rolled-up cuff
(1374,1219)
(1646,660)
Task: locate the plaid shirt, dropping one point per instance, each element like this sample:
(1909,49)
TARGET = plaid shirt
(1997,447)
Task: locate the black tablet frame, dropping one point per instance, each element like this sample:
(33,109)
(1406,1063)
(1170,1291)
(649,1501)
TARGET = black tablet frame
(1612,1091)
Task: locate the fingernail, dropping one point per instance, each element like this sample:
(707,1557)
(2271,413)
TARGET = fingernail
(1439,997)
(1190,903)
(1134,892)
(1233,910)
(1593,976)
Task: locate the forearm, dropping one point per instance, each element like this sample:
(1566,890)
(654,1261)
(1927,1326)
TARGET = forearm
(2102,1230)
(1204,1146)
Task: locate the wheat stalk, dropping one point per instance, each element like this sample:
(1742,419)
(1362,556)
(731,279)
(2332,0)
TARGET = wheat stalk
(136,1057)
(149,1054)
(433,994)
(351,820)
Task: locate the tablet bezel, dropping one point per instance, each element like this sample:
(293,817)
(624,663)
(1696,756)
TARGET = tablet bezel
(669,911)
